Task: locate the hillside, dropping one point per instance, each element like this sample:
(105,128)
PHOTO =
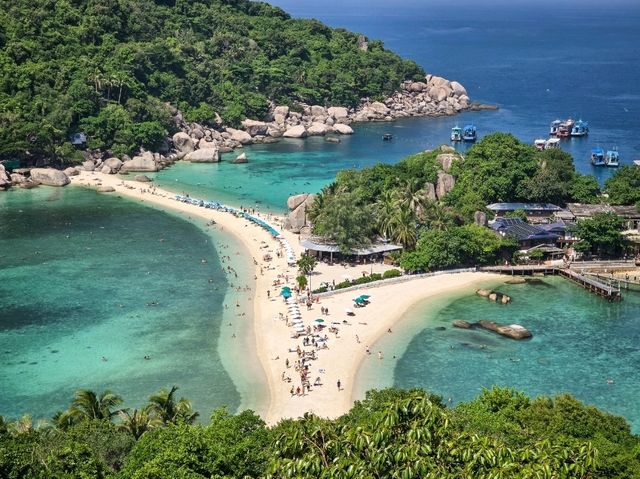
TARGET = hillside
(109,68)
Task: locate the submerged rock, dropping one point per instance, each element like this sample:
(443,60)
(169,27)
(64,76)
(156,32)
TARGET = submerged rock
(462,324)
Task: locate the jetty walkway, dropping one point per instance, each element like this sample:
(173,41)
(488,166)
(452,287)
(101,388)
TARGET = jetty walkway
(592,283)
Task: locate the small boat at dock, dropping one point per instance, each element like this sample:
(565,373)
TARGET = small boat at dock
(470,133)
(597,156)
(580,128)
(456,133)
(612,158)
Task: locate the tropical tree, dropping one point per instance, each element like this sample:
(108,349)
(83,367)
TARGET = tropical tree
(437,216)
(302,282)
(411,195)
(137,422)
(623,187)
(386,209)
(169,410)
(87,405)
(306,264)
(600,235)
(404,228)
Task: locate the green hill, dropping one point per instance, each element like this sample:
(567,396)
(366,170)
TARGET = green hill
(109,67)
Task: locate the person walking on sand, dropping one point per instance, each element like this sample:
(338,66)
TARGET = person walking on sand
(339,385)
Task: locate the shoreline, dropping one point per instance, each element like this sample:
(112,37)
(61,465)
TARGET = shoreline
(274,345)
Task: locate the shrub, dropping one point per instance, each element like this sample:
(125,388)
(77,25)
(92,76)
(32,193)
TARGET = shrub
(392,273)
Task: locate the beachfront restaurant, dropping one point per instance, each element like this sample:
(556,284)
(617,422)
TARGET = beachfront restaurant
(328,251)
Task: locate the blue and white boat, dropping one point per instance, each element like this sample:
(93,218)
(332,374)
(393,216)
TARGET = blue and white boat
(470,133)
(456,133)
(612,158)
(597,156)
(580,128)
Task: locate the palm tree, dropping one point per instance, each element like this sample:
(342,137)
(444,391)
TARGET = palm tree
(411,195)
(65,419)
(164,405)
(386,209)
(404,228)
(437,216)
(26,425)
(137,422)
(88,405)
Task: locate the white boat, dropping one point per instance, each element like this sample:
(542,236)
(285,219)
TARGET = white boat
(612,158)
(552,144)
(540,143)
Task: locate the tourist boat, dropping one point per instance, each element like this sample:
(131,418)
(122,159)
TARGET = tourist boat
(580,128)
(552,144)
(597,156)
(456,133)
(540,143)
(612,158)
(387,137)
(470,133)
(561,129)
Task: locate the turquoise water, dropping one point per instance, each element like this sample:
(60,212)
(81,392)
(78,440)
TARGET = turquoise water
(85,276)
(579,342)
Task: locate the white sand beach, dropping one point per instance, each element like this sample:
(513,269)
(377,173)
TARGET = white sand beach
(274,345)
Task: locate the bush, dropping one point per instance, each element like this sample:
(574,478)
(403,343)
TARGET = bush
(392,273)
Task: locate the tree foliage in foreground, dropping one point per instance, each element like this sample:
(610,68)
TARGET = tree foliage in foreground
(392,433)
(623,187)
(110,66)
(600,235)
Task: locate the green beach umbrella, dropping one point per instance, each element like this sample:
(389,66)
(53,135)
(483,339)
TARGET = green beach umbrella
(319,320)
(365,296)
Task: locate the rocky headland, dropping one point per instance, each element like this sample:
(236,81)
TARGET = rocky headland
(196,143)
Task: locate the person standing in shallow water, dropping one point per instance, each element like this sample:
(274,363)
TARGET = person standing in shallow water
(339,385)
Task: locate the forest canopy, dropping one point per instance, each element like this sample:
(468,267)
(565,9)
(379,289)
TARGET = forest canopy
(110,67)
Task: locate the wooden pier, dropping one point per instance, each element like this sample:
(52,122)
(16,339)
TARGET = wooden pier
(592,284)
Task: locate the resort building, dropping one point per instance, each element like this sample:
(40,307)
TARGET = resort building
(325,250)
(629,214)
(527,235)
(535,212)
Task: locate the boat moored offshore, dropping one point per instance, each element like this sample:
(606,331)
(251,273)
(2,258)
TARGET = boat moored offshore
(597,156)
(456,133)
(552,144)
(540,143)
(580,128)
(612,158)
(470,133)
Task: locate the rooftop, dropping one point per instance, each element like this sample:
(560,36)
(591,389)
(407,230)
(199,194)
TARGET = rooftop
(318,244)
(523,206)
(520,230)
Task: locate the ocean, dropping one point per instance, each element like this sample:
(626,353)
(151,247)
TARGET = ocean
(69,301)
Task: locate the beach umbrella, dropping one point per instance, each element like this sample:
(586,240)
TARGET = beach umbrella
(319,320)
(365,296)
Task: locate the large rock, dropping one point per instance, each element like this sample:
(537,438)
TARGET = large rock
(338,112)
(380,108)
(140,163)
(430,191)
(204,144)
(49,177)
(183,142)
(281,110)
(5,179)
(317,128)
(317,110)
(297,219)
(114,163)
(255,128)
(294,201)
(445,184)
(343,129)
(106,189)
(240,159)
(206,155)
(417,86)
(446,160)
(142,178)
(105,170)
(480,218)
(298,131)
(458,89)
(88,165)
(240,136)
(15,178)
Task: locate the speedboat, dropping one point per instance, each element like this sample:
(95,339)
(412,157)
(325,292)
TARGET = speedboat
(597,156)
(580,128)
(470,133)
(456,133)
(612,158)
